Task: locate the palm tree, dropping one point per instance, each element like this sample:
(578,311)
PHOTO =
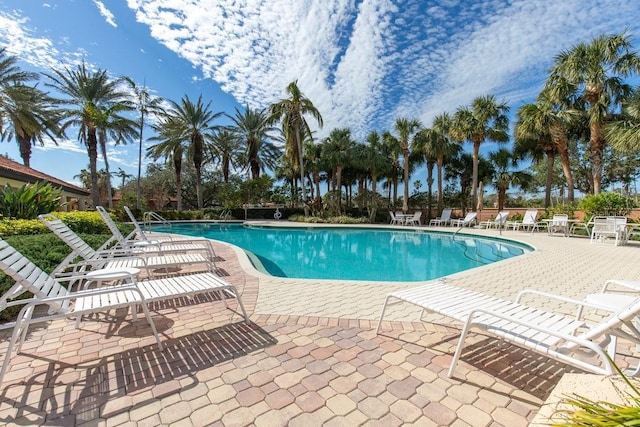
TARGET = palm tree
(594,71)
(192,124)
(30,116)
(338,150)
(485,119)
(316,163)
(123,175)
(548,125)
(503,162)
(170,146)
(291,112)
(110,123)
(405,129)
(147,105)
(253,127)
(391,150)
(86,92)
(425,143)
(225,146)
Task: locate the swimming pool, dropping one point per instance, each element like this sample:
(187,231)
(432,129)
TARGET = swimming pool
(357,253)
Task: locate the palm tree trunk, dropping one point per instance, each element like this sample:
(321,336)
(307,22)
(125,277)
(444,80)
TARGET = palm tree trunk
(596,148)
(440,166)
(24,144)
(177,165)
(474,180)
(429,190)
(561,142)
(103,148)
(405,201)
(92,151)
(339,187)
(139,160)
(547,190)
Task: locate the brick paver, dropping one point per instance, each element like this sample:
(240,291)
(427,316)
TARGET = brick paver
(310,356)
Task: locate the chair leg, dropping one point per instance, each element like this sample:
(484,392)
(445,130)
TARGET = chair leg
(384,308)
(458,352)
(145,309)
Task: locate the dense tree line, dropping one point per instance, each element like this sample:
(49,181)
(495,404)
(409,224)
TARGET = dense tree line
(586,118)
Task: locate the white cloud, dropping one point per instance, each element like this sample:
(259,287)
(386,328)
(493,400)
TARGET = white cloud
(106,13)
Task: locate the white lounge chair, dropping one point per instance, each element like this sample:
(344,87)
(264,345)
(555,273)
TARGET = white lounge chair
(555,335)
(443,219)
(469,219)
(529,221)
(142,235)
(48,290)
(118,259)
(500,220)
(130,242)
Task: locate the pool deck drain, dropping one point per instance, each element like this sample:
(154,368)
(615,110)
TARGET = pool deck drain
(310,355)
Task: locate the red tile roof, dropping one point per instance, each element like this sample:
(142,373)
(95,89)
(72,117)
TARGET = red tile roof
(17,171)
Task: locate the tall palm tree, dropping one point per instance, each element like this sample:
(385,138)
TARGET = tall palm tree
(121,129)
(503,162)
(316,163)
(338,150)
(225,147)
(405,129)
(123,175)
(170,146)
(85,92)
(147,105)
(594,71)
(291,112)
(547,124)
(253,128)
(485,119)
(425,143)
(391,150)
(192,124)
(30,115)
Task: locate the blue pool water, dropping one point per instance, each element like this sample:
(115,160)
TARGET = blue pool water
(354,253)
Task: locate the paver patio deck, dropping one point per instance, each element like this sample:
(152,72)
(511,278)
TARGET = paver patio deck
(309,357)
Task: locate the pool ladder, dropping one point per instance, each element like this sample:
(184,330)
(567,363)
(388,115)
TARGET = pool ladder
(151,216)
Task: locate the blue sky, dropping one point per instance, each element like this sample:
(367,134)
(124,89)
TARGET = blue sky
(362,63)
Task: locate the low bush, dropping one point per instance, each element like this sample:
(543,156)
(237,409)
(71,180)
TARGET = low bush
(330,220)
(80,222)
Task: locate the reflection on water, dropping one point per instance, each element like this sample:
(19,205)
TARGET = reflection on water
(355,253)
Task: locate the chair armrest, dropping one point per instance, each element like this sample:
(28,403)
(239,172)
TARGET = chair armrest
(549,295)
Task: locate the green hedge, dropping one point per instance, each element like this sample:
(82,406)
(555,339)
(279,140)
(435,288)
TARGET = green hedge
(46,251)
(80,222)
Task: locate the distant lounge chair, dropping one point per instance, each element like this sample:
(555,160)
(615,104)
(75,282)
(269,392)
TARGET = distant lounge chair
(529,221)
(48,290)
(499,221)
(118,259)
(554,335)
(130,242)
(559,223)
(469,219)
(443,219)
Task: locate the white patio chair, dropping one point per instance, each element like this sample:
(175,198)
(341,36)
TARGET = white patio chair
(415,220)
(443,219)
(61,302)
(554,335)
(581,225)
(614,227)
(394,219)
(559,223)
